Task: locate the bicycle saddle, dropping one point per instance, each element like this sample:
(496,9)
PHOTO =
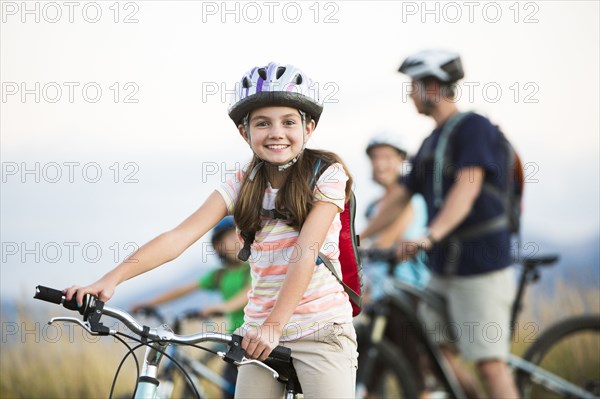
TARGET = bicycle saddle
(540,261)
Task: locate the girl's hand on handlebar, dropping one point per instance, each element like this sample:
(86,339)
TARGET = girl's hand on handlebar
(103,289)
(259,342)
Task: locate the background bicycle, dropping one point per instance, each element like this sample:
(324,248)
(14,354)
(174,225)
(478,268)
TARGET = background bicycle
(567,353)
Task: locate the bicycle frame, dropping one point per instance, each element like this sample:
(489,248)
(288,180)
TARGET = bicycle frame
(549,380)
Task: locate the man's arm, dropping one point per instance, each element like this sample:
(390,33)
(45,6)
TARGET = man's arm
(456,208)
(459,202)
(391,206)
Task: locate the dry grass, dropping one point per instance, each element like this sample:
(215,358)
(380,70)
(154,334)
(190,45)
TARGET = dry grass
(60,361)
(38,364)
(541,310)
(575,358)
(63,361)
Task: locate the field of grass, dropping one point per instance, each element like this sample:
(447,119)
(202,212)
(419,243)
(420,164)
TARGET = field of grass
(40,361)
(62,361)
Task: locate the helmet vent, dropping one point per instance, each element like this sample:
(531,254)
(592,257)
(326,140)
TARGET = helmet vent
(454,69)
(280,72)
(298,79)
(262,72)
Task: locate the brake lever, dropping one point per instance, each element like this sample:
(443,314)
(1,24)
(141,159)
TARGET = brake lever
(245,362)
(83,324)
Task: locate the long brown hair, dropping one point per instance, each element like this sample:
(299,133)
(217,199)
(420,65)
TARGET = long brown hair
(294,199)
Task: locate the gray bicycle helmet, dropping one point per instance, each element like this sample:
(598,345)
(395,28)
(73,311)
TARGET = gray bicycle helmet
(445,66)
(386,138)
(275,84)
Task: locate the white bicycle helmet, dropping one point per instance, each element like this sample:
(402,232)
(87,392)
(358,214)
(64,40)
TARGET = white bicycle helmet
(445,66)
(387,138)
(275,84)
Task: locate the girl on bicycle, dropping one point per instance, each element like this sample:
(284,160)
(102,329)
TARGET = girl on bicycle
(285,219)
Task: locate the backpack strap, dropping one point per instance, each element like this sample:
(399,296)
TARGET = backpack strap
(316,174)
(322,258)
(354,297)
(441,155)
(501,221)
(442,161)
(497,223)
(273,214)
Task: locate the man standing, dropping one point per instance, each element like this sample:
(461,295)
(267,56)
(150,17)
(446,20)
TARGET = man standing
(460,170)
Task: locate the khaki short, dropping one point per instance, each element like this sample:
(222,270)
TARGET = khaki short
(479,308)
(325,362)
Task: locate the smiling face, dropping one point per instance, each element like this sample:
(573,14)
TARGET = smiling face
(386,162)
(276,134)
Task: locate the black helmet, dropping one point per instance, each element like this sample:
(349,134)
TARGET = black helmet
(445,66)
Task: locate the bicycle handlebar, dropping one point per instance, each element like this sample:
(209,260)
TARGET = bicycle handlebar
(91,305)
(386,255)
(57,297)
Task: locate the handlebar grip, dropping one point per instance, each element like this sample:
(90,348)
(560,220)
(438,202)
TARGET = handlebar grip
(281,353)
(55,296)
(48,294)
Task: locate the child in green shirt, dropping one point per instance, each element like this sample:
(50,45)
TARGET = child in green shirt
(232,280)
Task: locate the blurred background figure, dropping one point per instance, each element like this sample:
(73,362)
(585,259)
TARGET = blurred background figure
(232,280)
(388,156)
(461,171)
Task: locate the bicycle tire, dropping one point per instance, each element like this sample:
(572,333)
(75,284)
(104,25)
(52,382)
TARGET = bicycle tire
(569,349)
(392,377)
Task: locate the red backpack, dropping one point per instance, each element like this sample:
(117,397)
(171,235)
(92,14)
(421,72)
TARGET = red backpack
(352,277)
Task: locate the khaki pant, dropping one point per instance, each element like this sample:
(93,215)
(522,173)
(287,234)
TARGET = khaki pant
(325,362)
(479,308)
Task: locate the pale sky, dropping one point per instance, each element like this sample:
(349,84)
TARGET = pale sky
(143,100)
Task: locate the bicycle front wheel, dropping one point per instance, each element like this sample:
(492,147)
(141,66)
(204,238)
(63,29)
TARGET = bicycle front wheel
(391,376)
(569,350)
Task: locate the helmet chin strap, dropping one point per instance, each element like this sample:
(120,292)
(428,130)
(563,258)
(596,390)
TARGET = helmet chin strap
(280,167)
